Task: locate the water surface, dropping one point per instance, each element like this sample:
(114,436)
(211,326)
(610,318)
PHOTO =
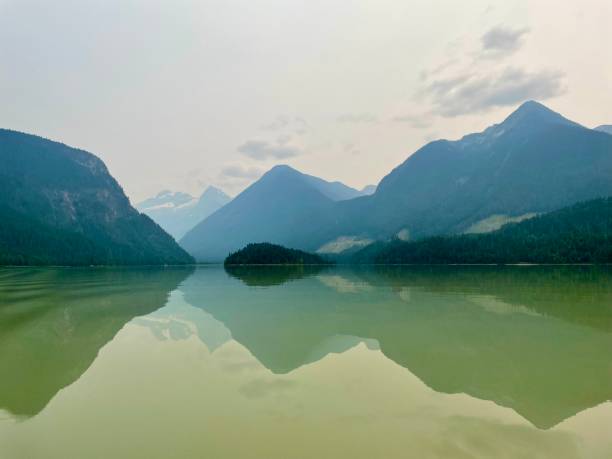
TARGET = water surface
(470,362)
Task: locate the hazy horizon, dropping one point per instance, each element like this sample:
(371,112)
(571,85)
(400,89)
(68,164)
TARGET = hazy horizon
(182,95)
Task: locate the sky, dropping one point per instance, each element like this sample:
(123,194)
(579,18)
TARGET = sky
(183,94)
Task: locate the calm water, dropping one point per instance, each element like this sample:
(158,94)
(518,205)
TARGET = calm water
(291,363)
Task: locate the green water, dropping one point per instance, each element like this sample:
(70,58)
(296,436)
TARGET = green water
(460,362)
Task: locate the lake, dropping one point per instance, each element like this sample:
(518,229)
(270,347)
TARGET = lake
(396,362)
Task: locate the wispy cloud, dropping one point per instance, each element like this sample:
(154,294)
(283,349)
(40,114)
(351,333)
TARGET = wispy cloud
(474,93)
(241,171)
(453,87)
(295,124)
(262,149)
(501,41)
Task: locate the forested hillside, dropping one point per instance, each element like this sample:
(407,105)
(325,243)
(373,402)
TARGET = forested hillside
(578,234)
(60,206)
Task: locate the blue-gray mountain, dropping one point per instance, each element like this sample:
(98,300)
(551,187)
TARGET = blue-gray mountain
(607,128)
(178,212)
(278,207)
(535,161)
(60,206)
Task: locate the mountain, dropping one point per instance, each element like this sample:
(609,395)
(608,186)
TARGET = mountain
(336,191)
(607,128)
(278,207)
(368,190)
(60,206)
(178,212)
(535,161)
(581,233)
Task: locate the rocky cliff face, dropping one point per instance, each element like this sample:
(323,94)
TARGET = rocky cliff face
(60,205)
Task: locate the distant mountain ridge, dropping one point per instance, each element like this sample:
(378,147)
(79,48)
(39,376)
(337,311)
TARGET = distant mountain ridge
(277,207)
(535,161)
(59,205)
(178,212)
(368,190)
(607,128)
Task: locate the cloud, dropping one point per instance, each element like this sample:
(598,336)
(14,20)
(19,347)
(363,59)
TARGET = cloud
(240,171)
(476,93)
(415,121)
(262,150)
(295,124)
(502,41)
(439,68)
(357,118)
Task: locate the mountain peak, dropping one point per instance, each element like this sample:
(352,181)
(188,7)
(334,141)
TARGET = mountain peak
(529,117)
(533,105)
(282,168)
(532,113)
(336,191)
(213,191)
(281,171)
(164,193)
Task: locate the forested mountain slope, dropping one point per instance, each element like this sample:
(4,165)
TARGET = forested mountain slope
(60,206)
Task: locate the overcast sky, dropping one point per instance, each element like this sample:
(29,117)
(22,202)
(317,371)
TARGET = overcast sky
(180,94)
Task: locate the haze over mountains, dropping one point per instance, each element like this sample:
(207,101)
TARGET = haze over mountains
(178,212)
(60,205)
(278,207)
(535,161)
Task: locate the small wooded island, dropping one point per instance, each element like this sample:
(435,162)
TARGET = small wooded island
(271,254)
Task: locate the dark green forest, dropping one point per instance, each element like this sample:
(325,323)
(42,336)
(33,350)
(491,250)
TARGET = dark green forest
(272,254)
(581,233)
(26,241)
(60,206)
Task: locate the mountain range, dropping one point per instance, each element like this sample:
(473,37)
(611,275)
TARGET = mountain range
(607,128)
(178,212)
(60,206)
(278,207)
(535,161)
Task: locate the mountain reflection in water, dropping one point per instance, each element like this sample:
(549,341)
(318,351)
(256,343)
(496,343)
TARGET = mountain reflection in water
(441,362)
(532,339)
(53,322)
